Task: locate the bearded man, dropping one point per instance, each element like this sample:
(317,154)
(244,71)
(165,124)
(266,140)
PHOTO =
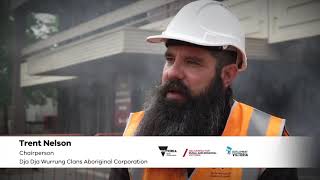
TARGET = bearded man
(205,52)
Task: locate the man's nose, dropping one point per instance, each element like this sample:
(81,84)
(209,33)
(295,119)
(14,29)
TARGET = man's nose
(175,71)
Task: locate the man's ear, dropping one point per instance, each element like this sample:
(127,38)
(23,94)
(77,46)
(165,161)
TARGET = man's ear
(228,74)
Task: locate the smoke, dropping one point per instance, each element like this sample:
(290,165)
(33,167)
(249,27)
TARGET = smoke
(288,88)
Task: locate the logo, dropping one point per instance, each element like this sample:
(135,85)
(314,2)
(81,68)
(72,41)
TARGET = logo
(236,152)
(167,152)
(197,152)
(229,149)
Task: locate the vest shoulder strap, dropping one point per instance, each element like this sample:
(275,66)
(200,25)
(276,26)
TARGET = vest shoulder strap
(263,124)
(245,120)
(133,123)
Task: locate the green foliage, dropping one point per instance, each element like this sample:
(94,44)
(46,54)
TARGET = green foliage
(33,95)
(41,26)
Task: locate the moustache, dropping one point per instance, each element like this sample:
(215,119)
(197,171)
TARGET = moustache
(176,86)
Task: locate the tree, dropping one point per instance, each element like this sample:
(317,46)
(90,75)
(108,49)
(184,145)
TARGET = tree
(41,26)
(5,68)
(4,57)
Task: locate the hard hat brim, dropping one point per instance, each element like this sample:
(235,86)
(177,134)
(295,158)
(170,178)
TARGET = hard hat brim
(163,38)
(159,38)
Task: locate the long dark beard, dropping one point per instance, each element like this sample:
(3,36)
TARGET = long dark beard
(202,115)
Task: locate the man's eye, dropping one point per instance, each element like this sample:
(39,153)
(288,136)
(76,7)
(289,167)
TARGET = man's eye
(169,59)
(193,62)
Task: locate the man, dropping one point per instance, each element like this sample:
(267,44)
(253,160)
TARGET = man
(205,52)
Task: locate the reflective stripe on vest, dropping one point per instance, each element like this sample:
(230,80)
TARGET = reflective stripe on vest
(243,120)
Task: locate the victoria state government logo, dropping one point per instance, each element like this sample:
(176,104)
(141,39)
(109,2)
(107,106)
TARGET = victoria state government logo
(167,152)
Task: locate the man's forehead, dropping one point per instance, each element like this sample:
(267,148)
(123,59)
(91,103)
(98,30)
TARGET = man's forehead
(186,51)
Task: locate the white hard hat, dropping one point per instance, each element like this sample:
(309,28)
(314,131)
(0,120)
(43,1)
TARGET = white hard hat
(206,23)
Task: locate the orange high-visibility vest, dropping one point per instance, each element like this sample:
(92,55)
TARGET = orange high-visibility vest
(243,120)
